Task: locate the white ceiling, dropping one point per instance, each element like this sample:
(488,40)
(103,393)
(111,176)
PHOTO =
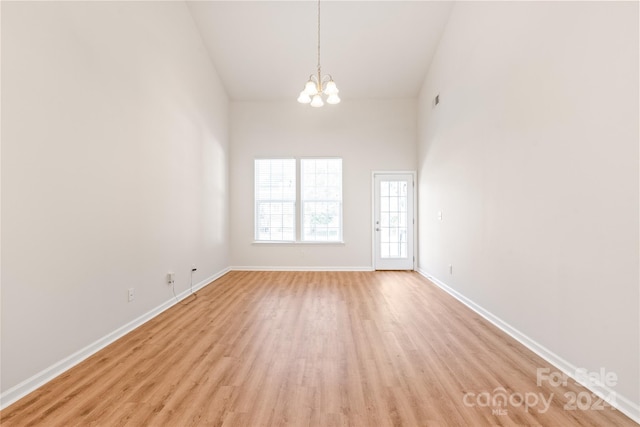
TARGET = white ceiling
(266,50)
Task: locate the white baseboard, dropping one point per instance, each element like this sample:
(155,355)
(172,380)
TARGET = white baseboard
(621,403)
(27,386)
(293,268)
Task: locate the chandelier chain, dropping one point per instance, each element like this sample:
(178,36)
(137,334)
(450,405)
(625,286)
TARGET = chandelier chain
(318,86)
(318,38)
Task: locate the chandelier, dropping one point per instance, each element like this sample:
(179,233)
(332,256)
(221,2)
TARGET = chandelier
(319,85)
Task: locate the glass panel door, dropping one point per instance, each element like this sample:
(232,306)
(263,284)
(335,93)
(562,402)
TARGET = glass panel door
(393,221)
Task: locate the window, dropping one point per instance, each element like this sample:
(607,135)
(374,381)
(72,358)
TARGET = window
(321,194)
(276,194)
(275,198)
(393,218)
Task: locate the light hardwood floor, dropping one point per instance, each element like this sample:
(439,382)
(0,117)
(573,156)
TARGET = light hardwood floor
(309,349)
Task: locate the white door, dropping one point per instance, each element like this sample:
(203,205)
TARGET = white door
(393,221)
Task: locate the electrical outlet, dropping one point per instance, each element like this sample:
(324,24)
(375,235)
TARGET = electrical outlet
(171,278)
(450,269)
(131,294)
(193,267)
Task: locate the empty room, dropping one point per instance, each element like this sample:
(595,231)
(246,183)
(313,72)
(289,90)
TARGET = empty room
(320,213)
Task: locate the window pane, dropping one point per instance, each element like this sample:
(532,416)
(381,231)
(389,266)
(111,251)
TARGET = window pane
(393,188)
(321,192)
(384,219)
(384,204)
(275,199)
(395,206)
(393,219)
(384,188)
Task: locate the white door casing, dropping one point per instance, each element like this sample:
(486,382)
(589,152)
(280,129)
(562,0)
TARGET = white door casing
(393,220)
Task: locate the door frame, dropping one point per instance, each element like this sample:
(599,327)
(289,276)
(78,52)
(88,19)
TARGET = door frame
(373,212)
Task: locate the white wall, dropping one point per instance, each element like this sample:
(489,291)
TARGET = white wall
(532,157)
(368,134)
(114,171)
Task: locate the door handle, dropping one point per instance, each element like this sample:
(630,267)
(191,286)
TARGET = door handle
(377,229)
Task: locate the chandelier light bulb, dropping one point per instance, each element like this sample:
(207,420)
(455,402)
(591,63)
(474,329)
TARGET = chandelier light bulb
(331,88)
(333,99)
(317,101)
(310,88)
(304,98)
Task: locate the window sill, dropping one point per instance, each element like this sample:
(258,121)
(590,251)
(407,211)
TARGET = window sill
(288,243)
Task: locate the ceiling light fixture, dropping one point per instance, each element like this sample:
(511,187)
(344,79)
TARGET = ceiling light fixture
(318,84)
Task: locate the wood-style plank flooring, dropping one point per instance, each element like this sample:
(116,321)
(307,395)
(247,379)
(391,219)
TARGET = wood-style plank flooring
(309,349)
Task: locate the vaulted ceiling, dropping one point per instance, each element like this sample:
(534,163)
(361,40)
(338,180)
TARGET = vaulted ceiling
(266,50)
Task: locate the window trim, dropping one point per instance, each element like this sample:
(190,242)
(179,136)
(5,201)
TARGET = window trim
(298,243)
(298,206)
(255,201)
(301,209)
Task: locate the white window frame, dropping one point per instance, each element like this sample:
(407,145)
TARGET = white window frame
(298,211)
(304,201)
(257,201)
